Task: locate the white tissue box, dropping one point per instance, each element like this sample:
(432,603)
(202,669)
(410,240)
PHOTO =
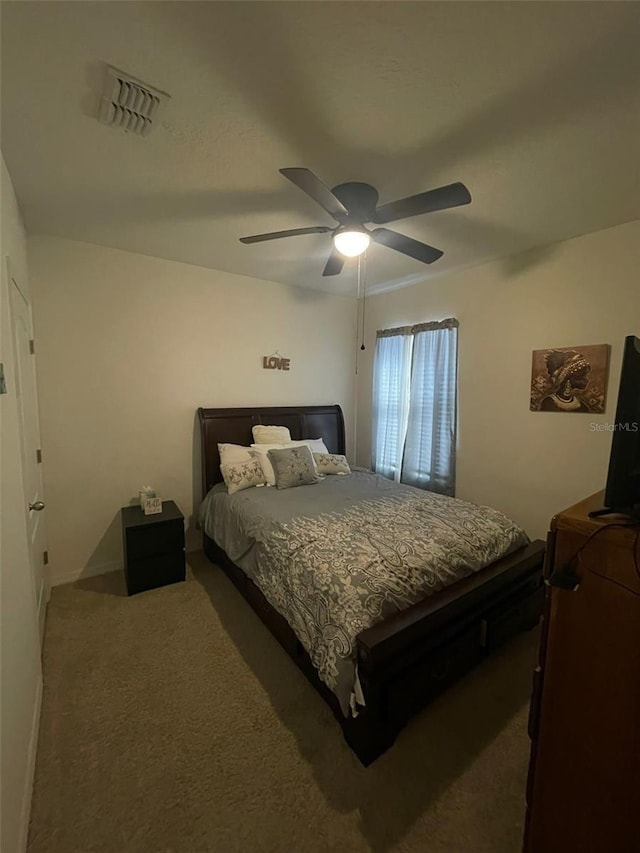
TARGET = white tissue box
(150,503)
(151,506)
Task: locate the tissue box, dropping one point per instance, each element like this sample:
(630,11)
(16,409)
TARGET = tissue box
(151,506)
(150,503)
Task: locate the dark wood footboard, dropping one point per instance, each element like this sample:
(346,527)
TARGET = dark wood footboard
(409,658)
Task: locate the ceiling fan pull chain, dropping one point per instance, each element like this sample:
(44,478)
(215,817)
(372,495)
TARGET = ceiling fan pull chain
(357,307)
(364,295)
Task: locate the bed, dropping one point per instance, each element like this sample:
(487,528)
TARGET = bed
(415,644)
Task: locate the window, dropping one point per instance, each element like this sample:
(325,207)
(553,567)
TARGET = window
(414,405)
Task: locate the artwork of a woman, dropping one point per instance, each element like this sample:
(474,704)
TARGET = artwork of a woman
(563,380)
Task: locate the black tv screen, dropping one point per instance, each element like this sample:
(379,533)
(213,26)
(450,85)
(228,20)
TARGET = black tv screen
(623,481)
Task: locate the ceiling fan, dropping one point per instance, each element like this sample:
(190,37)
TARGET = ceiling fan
(353,204)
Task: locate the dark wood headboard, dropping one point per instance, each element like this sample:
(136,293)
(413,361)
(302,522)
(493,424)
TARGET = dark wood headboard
(234,426)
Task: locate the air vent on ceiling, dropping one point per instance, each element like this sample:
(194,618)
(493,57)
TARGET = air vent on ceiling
(129,104)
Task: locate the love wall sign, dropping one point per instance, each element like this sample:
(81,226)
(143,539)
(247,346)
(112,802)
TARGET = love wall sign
(275,362)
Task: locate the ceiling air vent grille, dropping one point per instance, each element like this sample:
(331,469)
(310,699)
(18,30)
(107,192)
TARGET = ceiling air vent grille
(129,104)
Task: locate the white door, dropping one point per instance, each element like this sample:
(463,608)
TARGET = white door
(26,389)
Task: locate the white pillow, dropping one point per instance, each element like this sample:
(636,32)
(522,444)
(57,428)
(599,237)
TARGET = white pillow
(270,434)
(243,475)
(233,454)
(315,445)
(261,450)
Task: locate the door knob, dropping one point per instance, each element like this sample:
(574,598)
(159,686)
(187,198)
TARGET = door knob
(38,506)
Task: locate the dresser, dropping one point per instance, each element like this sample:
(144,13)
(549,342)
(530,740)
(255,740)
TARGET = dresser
(153,547)
(583,791)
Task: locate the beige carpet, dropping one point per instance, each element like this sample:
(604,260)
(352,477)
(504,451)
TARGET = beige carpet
(174,723)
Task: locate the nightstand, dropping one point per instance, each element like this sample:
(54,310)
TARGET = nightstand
(153,547)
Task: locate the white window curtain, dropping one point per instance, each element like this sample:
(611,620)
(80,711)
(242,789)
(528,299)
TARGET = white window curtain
(415,405)
(391,382)
(430,445)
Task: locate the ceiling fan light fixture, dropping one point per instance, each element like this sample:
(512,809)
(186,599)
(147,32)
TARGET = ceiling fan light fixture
(351,242)
(353,204)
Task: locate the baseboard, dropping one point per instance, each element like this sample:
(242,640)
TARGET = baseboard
(73,575)
(31,769)
(58,578)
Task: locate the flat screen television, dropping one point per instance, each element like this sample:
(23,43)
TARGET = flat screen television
(622,493)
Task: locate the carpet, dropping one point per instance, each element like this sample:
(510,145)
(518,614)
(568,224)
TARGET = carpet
(173,722)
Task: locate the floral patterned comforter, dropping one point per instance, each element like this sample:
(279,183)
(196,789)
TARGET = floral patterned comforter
(336,557)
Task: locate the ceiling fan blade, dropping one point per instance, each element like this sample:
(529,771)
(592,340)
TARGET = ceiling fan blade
(334,264)
(407,245)
(313,186)
(294,232)
(453,195)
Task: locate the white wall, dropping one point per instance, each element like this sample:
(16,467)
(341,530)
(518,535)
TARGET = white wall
(128,346)
(582,291)
(21,685)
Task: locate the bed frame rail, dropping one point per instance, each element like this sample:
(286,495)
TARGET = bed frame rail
(519,572)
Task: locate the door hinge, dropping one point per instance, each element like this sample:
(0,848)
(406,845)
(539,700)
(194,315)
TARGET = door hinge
(45,558)
(32,346)
(38,455)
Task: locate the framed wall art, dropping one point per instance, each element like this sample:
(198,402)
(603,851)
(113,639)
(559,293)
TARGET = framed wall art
(570,379)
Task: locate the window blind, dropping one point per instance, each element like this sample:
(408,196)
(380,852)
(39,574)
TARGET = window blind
(415,405)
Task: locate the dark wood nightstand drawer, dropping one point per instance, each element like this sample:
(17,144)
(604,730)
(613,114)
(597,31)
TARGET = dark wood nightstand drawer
(154,539)
(156,571)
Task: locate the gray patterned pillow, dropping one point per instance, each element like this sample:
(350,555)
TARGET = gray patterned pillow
(243,475)
(331,463)
(293,466)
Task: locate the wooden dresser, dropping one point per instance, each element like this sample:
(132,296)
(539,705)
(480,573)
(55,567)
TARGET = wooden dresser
(583,792)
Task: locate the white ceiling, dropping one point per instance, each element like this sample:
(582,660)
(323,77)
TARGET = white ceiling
(534,106)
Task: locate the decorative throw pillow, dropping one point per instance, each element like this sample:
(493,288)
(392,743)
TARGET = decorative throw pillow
(331,463)
(232,454)
(270,434)
(243,475)
(293,466)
